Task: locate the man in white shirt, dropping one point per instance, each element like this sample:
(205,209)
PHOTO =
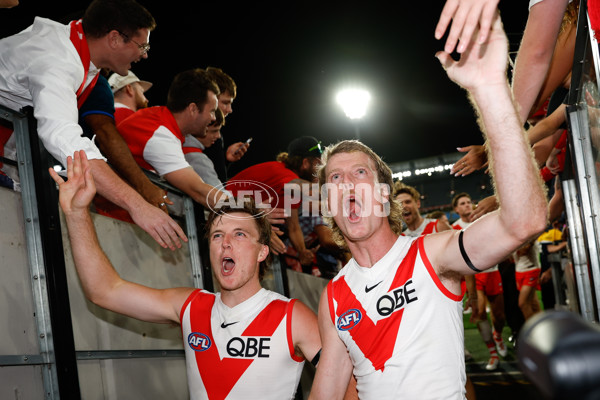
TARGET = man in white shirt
(53,67)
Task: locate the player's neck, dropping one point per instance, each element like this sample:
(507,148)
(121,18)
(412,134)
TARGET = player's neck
(368,251)
(234,297)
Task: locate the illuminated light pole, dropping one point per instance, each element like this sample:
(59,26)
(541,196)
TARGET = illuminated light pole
(354,103)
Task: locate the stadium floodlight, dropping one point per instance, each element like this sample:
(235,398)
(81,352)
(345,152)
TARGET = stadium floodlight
(354,103)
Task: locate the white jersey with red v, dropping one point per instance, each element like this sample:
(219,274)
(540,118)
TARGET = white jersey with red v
(244,352)
(402,327)
(427,226)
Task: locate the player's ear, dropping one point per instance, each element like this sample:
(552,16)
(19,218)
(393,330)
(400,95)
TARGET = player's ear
(114,39)
(264,252)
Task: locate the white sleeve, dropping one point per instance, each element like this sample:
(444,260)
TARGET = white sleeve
(55,106)
(164,152)
(534,2)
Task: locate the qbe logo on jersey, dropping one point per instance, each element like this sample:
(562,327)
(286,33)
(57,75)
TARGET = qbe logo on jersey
(349,319)
(199,341)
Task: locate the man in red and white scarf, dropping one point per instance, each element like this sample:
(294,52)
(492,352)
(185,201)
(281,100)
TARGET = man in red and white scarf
(53,67)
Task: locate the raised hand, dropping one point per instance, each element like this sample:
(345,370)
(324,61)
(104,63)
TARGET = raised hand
(277,246)
(468,17)
(76,194)
(481,65)
(475,159)
(484,206)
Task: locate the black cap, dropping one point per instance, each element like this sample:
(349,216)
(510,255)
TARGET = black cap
(305,146)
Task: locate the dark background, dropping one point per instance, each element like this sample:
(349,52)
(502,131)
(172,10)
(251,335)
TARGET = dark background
(289,59)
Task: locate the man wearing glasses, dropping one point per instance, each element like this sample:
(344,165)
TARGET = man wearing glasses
(53,68)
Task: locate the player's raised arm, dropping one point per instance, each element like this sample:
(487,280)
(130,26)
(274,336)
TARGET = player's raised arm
(101,283)
(522,214)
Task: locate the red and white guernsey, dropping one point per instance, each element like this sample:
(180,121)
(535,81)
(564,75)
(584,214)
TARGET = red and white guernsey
(427,226)
(244,352)
(154,139)
(460,224)
(403,329)
(530,260)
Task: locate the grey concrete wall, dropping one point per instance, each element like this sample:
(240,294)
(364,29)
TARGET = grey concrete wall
(18,333)
(138,258)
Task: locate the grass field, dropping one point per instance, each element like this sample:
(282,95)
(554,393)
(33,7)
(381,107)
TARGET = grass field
(506,381)
(474,343)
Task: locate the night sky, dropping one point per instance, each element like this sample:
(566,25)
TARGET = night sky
(289,59)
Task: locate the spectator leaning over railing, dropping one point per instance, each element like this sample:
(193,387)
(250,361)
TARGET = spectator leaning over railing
(53,67)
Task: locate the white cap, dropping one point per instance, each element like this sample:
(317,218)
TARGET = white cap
(118,82)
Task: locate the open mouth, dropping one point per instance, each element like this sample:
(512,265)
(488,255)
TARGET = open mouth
(352,208)
(228,265)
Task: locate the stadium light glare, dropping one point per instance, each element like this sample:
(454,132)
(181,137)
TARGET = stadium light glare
(354,102)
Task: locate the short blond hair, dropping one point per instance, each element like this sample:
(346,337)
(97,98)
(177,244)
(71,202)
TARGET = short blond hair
(384,176)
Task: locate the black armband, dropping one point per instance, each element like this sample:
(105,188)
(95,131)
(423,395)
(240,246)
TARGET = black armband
(315,359)
(464,253)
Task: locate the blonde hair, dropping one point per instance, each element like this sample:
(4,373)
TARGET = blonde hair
(384,176)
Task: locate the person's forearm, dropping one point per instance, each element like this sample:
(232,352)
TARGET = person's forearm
(535,53)
(295,232)
(526,89)
(208,195)
(547,126)
(553,248)
(110,186)
(542,150)
(297,239)
(95,271)
(556,205)
(522,199)
(189,182)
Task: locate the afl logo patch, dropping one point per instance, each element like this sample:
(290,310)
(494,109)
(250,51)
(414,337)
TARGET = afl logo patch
(349,319)
(199,341)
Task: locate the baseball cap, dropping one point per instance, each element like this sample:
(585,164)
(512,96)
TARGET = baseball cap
(117,81)
(305,146)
